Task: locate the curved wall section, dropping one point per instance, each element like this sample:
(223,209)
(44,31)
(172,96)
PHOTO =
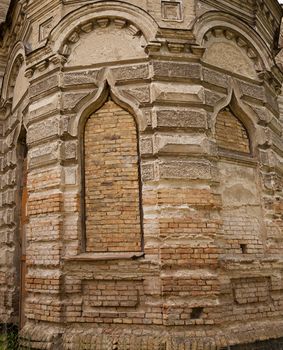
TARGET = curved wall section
(154,174)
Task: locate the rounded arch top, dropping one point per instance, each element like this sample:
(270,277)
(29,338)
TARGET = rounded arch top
(17,58)
(102,10)
(230,26)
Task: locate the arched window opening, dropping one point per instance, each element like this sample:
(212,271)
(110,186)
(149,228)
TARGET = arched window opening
(230,133)
(111,181)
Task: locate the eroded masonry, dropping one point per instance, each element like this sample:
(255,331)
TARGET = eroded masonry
(141,192)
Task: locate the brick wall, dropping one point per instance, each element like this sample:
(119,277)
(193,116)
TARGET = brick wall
(211,272)
(112,199)
(273,344)
(230,133)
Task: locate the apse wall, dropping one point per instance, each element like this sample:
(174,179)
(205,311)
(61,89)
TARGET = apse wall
(153,138)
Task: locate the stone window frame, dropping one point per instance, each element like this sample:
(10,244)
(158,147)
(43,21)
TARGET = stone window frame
(247,117)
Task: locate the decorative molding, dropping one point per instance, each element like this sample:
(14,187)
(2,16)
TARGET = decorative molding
(174,47)
(243,112)
(172,10)
(153,47)
(45,28)
(42,65)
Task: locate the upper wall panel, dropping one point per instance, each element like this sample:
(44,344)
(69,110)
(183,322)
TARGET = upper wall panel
(231,53)
(107,41)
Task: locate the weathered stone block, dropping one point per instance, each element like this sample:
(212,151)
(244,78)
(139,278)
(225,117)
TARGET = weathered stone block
(48,84)
(140,94)
(176,70)
(146,146)
(69,150)
(185,170)
(212,98)
(80,78)
(185,118)
(131,72)
(43,130)
(215,78)
(49,105)
(179,143)
(70,176)
(148,173)
(43,155)
(252,90)
(177,93)
(70,100)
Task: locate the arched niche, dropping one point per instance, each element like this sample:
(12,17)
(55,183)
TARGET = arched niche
(228,50)
(239,182)
(221,24)
(90,105)
(247,119)
(85,15)
(102,41)
(111,187)
(21,84)
(15,84)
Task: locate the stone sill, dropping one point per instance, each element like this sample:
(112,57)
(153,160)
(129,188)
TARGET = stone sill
(249,259)
(239,157)
(105,256)
(240,259)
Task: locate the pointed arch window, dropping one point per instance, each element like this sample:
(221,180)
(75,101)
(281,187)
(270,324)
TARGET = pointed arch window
(231,134)
(239,183)
(112,197)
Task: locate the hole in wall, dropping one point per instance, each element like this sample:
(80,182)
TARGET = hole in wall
(196,313)
(244,248)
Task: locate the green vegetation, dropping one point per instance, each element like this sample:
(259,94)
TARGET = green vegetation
(9,341)
(3,340)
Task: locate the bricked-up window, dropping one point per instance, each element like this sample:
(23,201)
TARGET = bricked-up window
(230,133)
(112,188)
